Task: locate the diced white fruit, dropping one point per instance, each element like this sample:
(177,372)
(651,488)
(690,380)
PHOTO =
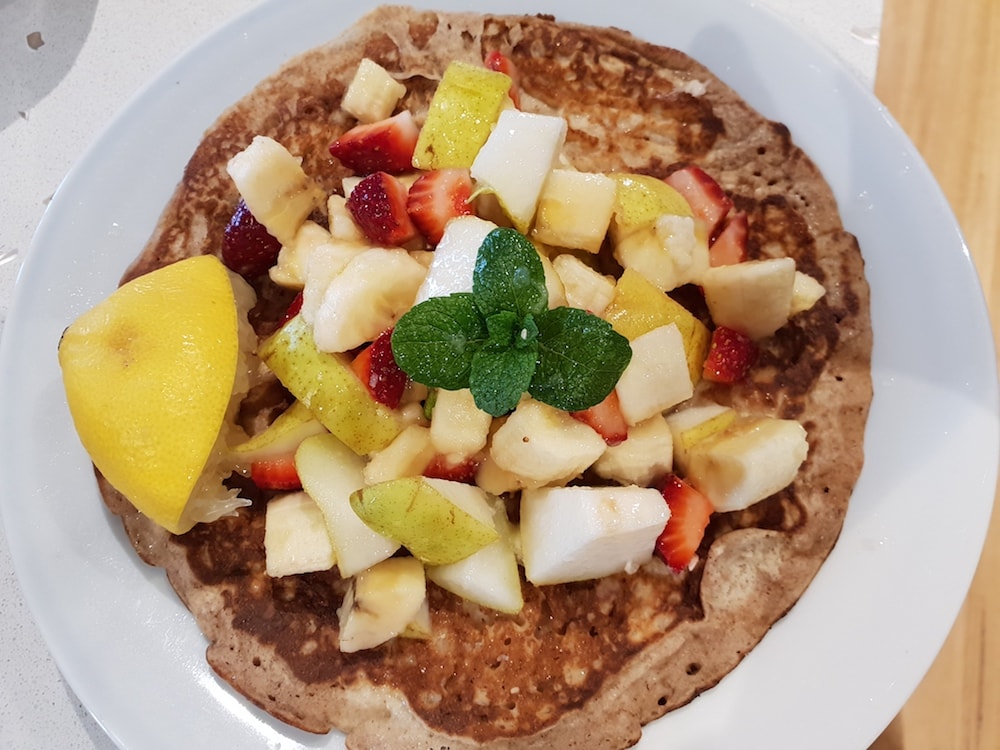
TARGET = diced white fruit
(375,288)
(584,287)
(381,602)
(406,456)
(279,194)
(657,376)
(579,533)
(678,235)
(349,183)
(806,292)
(489,577)
(754,297)
(542,444)
(553,283)
(689,426)
(496,480)
(455,258)
(644,456)
(330,472)
(342,224)
(295,537)
(574,209)
(748,461)
(420,626)
(516,159)
(322,266)
(459,428)
(290,270)
(373,93)
(668,253)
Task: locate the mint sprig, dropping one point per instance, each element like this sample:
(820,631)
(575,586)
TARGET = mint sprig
(501,340)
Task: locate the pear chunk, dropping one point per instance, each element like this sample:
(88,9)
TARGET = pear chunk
(437,520)
(326,384)
(579,533)
(330,472)
(656,377)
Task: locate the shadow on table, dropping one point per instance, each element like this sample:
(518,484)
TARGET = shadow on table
(39,42)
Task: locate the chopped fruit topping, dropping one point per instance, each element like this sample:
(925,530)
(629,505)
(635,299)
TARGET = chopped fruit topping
(500,63)
(277,473)
(606,418)
(377,369)
(731,244)
(457,471)
(707,198)
(383,146)
(378,205)
(731,354)
(293,308)
(436,198)
(690,512)
(247,248)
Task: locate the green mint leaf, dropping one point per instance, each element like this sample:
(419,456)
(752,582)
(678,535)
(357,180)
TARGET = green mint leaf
(500,376)
(508,275)
(435,341)
(507,331)
(580,358)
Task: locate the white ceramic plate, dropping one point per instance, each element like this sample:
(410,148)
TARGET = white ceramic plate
(829,675)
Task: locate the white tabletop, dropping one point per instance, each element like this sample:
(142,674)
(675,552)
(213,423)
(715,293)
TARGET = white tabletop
(65,69)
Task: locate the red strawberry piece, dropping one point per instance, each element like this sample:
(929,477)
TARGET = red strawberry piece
(437,197)
(499,62)
(690,512)
(731,244)
(378,206)
(383,146)
(706,197)
(247,247)
(459,471)
(293,308)
(731,354)
(376,366)
(277,473)
(606,418)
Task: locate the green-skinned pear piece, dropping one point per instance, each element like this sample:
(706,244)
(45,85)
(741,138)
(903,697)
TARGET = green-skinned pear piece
(465,106)
(326,384)
(438,521)
(282,436)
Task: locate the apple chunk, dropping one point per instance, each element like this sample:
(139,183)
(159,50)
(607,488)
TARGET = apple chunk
(579,533)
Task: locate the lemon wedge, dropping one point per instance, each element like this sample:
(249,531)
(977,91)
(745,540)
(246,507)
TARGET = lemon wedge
(149,374)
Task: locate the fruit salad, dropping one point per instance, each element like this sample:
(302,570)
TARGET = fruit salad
(493,381)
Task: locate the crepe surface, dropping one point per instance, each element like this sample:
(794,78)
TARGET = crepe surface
(584,665)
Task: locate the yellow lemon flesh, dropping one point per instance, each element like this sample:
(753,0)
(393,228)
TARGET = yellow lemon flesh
(148,375)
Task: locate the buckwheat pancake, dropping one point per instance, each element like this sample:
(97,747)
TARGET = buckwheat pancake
(586,664)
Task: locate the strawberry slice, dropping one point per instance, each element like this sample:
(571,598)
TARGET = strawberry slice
(277,473)
(376,366)
(498,61)
(731,354)
(461,471)
(437,197)
(293,308)
(247,247)
(606,418)
(382,146)
(378,206)
(690,512)
(731,244)
(706,197)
